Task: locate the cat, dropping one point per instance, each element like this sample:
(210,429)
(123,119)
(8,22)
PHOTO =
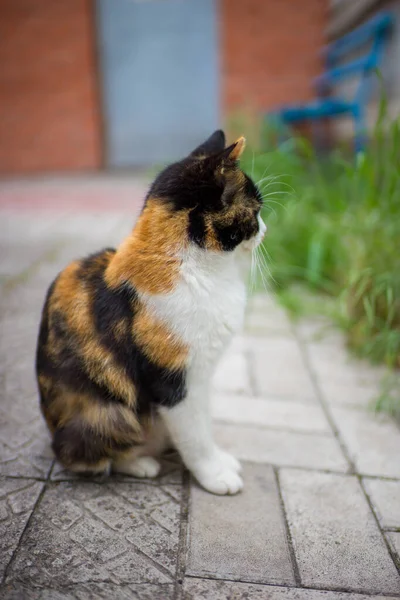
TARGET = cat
(129,338)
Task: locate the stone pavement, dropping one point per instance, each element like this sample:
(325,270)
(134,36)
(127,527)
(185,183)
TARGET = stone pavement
(319,518)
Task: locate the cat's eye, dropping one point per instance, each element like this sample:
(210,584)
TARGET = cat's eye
(233,236)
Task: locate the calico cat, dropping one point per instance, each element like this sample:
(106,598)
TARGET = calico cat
(130,338)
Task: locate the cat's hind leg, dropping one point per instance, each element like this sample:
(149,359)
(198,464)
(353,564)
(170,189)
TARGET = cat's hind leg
(80,451)
(141,461)
(89,433)
(137,466)
(102,467)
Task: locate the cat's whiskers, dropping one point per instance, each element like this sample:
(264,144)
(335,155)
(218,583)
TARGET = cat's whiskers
(265,271)
(254,269)
(270,179)
(266,168)
(260,271)
(277,193)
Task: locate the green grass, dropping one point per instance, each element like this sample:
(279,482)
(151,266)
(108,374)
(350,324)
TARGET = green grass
(334,226)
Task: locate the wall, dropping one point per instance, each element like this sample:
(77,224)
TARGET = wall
(270,51)
(50,102)
(390,72)
(49,117)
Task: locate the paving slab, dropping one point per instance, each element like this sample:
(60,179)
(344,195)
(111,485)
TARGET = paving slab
(263,302)
(333,363)
(24,440)
(319,330)
(279,370)
(29,226)
(351,394)
(372,440)
(86,532)
(24,448)
(20,257)
(240,537)
(17,500)
(385,497)
(206,589)
(24,240)
(269,322)
(269,412)
(285,448)
(232,374)
(335,536)
(92,591)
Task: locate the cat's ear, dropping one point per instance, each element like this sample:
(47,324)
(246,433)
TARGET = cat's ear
(235,150)
(213,145)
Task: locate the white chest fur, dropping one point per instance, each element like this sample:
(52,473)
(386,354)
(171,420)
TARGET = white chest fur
(205,309)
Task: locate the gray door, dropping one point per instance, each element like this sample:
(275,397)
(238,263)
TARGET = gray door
(159,69)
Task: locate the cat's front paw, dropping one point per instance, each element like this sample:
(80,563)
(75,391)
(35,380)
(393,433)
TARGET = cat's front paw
(216,477)
(229,460)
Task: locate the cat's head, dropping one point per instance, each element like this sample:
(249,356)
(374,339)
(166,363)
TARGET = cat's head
(221,202)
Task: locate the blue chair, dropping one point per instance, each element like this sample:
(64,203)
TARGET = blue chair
(375,30)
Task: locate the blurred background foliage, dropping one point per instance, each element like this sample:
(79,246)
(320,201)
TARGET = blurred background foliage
(334,228)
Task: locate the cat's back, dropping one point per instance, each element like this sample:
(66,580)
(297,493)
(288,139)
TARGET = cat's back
(72,295)
(81,318)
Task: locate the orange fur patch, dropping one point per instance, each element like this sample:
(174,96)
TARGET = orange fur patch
(121,329)
(211,242)
(159,344)
(111,421)
(72,299)
(149,257)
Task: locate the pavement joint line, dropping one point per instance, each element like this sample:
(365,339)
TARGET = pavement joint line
(289,539)
(381,477)
(159,567)
(183,536)
(392,553)
(323,403)
(340,590)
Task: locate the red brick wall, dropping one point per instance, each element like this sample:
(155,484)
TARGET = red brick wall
(49,115)
(270,51)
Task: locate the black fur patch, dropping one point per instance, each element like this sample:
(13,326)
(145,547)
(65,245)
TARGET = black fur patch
(154,384)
